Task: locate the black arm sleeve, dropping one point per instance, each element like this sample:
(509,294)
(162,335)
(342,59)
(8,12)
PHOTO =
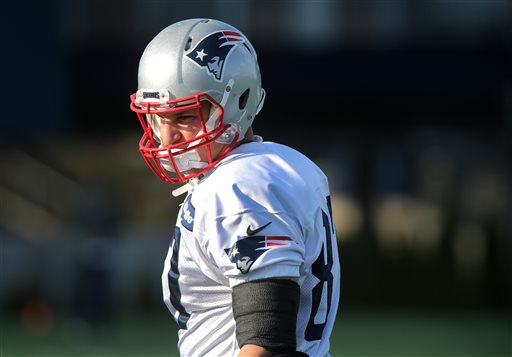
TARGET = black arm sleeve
(265,313)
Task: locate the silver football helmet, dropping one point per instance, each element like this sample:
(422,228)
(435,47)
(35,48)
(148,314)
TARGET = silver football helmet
(186,63)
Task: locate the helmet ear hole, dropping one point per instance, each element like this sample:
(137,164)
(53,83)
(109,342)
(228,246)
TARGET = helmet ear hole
(242,102)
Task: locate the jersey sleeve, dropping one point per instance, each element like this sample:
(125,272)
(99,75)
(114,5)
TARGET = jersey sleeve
(252,215)
(256,245)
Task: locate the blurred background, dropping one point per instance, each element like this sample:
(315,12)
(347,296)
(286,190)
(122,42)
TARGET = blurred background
(406,105)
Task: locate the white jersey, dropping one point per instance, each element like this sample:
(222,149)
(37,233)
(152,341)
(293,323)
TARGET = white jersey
(263,212)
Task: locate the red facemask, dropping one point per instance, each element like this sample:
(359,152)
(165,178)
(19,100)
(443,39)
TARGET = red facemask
(180,162)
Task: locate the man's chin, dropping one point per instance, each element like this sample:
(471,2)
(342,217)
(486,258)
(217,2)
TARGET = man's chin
(183,172)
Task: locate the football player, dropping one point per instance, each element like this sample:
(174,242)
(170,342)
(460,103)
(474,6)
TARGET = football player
(252,267)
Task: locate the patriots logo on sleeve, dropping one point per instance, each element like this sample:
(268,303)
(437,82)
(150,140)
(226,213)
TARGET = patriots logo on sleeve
(247,250)
(212,51)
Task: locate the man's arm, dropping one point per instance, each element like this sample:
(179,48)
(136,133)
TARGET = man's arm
(258,351)
(252,351)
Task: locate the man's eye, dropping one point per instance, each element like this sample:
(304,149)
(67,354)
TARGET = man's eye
(186,118)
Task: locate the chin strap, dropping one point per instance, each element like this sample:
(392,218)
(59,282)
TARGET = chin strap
(212,120)
(262,101)
(186,187)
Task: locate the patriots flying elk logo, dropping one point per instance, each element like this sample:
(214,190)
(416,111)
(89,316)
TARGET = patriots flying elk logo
(212,51)
(247,250)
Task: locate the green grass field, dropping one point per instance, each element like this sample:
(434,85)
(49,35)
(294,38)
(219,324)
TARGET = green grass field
(358,332)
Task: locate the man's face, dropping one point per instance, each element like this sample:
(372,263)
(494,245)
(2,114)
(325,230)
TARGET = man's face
(180,126)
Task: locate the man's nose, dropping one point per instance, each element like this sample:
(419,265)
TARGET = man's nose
(169,134)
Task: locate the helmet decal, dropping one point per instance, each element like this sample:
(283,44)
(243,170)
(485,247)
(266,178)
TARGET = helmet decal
(211,51)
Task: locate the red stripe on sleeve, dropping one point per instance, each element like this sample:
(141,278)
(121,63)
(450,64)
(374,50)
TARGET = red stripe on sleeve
(278,238)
